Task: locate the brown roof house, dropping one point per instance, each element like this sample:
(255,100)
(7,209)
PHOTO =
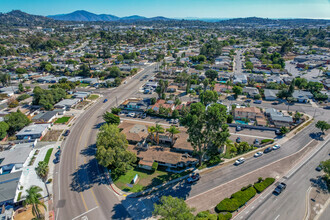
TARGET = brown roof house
(251,113)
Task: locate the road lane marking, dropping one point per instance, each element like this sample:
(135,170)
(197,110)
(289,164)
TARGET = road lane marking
(250,172)
(82,198)
(277,217)
(85,213)
(97,203)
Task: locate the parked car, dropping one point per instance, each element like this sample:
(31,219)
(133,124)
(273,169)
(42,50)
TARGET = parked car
(58,153)
(278,132)
(267,150)
(248,100)
(327,107)
(238,128)
(275,103)
(193,178)
(258,154)
(56,160)
(144,116)
(279,188)
(239,161)
(131,114)
(275,147)
(172,121)
(256,142)
(238,140)
(318,168)
(257,102)
(105,100)
(66,133)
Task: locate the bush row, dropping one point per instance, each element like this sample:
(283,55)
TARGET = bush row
(267,141)
(236,200)
(241,197)
(261,186)
(206,215)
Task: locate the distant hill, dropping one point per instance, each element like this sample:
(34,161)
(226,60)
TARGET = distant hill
(19,18)
(82,15)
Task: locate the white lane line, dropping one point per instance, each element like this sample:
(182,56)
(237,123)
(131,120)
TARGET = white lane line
(277,217)
(85,213)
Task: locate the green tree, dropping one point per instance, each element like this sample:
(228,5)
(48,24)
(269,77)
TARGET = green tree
(16,121)
(208,97)
(21,87)
(42,170)
(172,208)
(322,125)
(158,129)
(173,131)
(206,128)
(115,111)
(33,198)
(115,72)
(326,166)
(3,129)
(237,90)
(175,113)
(111,118)
(284,130)
(112,150)
(211,74)
(249,65)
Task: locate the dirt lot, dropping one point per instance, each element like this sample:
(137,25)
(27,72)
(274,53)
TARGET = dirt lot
(26,214)
(52,135)
(81,105)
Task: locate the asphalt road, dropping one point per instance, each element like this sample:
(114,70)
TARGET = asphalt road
(81,191)
(291,203)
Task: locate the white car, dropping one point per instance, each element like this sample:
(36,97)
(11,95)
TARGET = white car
(239,161)
(131,114)
(258,154)
(275,147)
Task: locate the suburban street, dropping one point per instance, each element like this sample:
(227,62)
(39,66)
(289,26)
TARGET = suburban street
(80,187)
(291,203)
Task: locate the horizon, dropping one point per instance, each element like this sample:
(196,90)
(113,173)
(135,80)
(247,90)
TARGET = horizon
(183,9)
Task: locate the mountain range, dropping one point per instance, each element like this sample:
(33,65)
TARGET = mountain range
(82,15)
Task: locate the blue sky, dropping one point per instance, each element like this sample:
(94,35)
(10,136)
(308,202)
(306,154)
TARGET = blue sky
(178,8)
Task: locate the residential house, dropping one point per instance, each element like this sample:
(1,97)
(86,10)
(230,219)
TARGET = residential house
(31,132)
(134,132)
(251,113)
(270,94)
(220,88)
(134,105)
(278,119)
(81,95)
(240,78)
(163,156)
(67,104)
(302,96)
(45,117)
(163,103)
(250,91)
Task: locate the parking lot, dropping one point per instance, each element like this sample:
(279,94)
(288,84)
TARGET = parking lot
(249,135)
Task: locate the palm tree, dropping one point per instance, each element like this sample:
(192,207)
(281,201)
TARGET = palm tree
(151,131)
(42,170)
(173,131)
(33,198)
(158,129)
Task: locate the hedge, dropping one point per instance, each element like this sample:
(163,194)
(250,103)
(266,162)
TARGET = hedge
(206,215)
(261,186)
(226,216)
(236,200)
(267,140)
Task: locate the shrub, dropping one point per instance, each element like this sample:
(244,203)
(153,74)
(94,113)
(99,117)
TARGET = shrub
(246,187)
(19,196)
(214,160)
(226,216)
(227,205)
(244,196)
(206,215)
(261,186)
(22,97)
(154,166)
(267,141)
(50,180)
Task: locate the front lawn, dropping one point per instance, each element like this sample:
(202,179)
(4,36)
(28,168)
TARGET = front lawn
(48,154)
(62,120)
(93,97)
(147,179)
(83,85)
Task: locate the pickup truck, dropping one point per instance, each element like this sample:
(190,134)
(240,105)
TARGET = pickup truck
(279,188)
